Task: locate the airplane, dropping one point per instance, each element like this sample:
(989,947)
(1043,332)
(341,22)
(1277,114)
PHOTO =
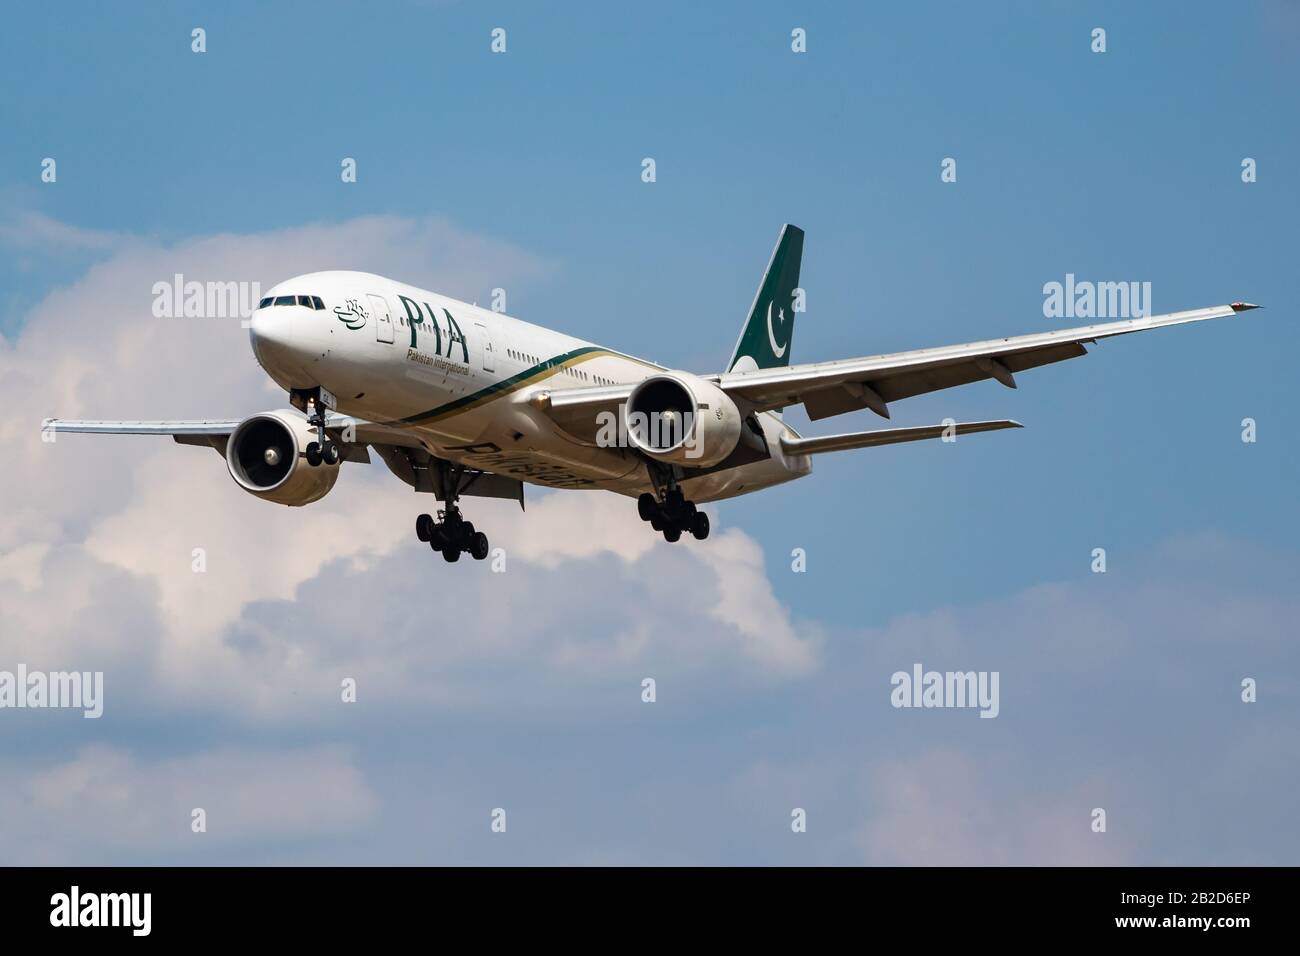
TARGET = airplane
(460,401)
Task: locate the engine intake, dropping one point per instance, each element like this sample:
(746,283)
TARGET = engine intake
(680,418)
(266,457)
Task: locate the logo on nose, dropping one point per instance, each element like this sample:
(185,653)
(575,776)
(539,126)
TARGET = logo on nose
(351,314)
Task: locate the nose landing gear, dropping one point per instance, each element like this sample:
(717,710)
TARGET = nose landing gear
(451,534)
(322,450)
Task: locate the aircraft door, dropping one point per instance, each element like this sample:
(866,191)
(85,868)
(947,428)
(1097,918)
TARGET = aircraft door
(383,318)
(485,343)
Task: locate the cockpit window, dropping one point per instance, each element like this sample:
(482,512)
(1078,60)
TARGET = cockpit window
(306,301)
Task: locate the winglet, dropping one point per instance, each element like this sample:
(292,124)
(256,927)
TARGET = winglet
(1244,306)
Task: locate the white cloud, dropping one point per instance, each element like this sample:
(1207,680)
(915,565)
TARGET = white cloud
(945,808)
(105,801)
(35,230)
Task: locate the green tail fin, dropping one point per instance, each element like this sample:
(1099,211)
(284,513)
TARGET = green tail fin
(765,340)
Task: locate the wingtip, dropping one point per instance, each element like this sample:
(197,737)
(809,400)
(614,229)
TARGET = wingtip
(1244,306)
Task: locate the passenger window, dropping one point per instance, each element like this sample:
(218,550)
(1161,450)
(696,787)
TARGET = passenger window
(285,300)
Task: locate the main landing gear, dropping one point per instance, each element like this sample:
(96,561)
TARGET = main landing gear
(451,534)
(669,511)
(322,450)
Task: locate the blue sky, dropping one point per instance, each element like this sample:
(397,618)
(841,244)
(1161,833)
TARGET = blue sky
(1116,166)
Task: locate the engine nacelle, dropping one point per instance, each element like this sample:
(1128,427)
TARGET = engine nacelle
(266,457)
(680,418)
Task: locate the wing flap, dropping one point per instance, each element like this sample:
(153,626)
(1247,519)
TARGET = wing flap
(418,468)
(887,436)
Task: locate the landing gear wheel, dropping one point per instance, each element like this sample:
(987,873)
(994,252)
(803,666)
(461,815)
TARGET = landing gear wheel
(478,546)
(313,454)
(657,522)
(700,526)
(330,453)
(672,534)
(646,506)
(453,526)
(449,533)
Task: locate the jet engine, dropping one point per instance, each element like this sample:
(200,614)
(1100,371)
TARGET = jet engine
(682,419)
(266,457)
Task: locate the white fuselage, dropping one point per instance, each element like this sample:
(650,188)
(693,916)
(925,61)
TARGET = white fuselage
(460,378)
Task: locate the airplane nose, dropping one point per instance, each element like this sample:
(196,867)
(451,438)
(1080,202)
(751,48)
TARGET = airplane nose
(272,328)
(273,336)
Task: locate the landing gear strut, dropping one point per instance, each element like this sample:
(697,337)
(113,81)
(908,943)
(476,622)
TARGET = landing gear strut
(322,450)
(451,534)
(668,511)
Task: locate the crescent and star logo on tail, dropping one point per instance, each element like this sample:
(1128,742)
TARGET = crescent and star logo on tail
(777,350)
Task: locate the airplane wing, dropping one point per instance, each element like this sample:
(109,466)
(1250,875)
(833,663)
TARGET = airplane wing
(845,385)
(215,432)
(370,433)
(832,388)
(207,432)
(400,450)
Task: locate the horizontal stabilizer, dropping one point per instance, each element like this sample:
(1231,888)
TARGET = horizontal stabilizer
(887,436)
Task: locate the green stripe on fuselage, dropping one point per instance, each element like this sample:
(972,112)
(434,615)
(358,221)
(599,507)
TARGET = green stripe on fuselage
(515,382)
